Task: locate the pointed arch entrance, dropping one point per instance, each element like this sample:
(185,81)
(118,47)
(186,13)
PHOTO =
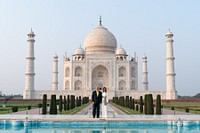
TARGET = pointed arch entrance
(100,77)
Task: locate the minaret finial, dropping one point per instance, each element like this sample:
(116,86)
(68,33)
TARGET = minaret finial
(100,21)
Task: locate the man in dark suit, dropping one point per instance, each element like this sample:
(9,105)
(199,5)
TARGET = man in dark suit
(96,99)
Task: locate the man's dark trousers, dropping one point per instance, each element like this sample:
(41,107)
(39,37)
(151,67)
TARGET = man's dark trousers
(96,99)
(96,107)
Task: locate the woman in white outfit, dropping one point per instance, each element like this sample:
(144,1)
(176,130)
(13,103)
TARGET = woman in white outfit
(104,103)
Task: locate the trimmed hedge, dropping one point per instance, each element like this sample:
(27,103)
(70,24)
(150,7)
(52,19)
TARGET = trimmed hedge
(44,105)
(29,107)
(158,105)
(149,107)
(14,108)
(53,106)
(39,105)
(65,103)
(133,104)
(72,101)
(141,104)
(60,103)
(130,103)
(137,108)
(187,110)
(68,103)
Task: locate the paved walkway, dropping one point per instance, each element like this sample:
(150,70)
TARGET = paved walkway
(34,111)
(86,110)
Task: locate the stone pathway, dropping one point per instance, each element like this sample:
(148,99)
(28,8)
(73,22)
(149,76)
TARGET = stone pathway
(34,111)
(85,111)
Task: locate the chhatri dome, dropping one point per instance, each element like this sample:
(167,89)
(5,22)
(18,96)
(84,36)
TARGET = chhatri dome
(79,51)
(120,51)
(100,40)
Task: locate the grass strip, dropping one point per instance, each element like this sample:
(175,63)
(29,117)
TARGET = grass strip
(74,110)
(126,110)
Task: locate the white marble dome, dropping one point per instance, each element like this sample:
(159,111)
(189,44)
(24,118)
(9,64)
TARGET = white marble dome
(100,40)
(120,51)
(79,51)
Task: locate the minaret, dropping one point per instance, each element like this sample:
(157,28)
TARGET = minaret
(29,74)
(170,71)
(144,73)
(55,73)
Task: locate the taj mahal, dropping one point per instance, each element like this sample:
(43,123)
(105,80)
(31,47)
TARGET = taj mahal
(100,63)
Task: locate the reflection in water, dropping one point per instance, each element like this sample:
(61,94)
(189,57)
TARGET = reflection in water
(102,130)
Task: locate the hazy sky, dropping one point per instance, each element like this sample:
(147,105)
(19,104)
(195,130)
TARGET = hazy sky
(61,26)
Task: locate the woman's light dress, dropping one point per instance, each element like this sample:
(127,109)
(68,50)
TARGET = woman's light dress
(104,106)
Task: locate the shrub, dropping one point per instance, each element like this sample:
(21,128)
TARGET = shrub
(79,100)
(137,107)
(72,102)
(29,107)
(44,105)
(60,103)
(158,105)
(14,108)
(145,104)
(187,110)
(172,108)
(53,106)
(65,103)
(68,102)
(127,102)
(130,103)
(133,102)
(39,105)
(149,108)
(141,104)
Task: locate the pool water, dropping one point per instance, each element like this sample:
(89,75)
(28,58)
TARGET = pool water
(97,127)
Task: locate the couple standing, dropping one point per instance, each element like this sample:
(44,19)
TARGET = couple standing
(97,98)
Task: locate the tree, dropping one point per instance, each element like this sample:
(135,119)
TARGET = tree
(127,102)
(130,103)
(53,106)
(60,103)
(158,105)
(133,106)
(65,103)
(68,102)
(141,104)
(187,110)
(149,104)
(79,100)
(136,107)
(44,104)
(72,102)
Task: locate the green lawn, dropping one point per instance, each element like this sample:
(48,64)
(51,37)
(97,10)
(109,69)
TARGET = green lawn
(180,106)
(127,110)
(22,106)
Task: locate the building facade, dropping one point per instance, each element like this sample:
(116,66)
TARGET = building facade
(100,63)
